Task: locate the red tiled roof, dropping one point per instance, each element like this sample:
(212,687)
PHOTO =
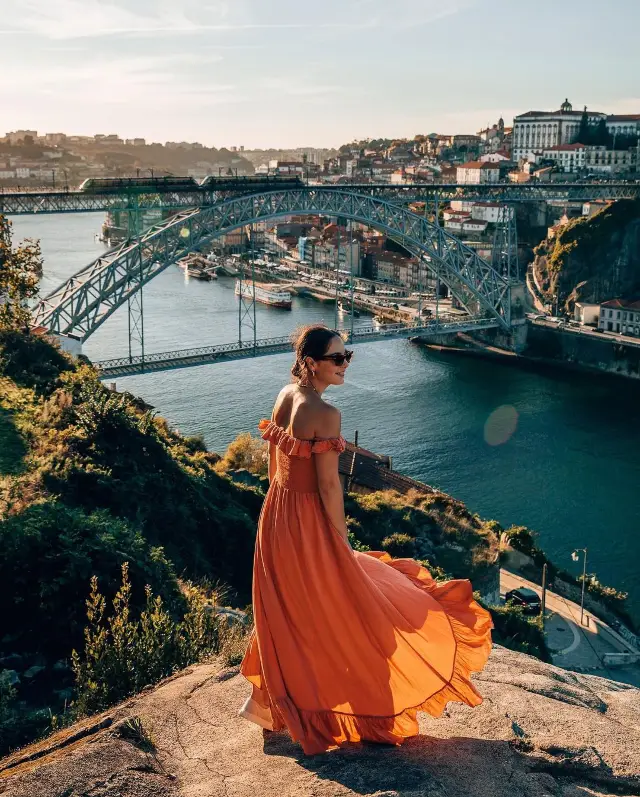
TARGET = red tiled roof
(624,117)
(478,165)
(559,147)
(549,113)
(621,304)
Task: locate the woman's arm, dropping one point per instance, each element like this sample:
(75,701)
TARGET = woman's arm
(329,485)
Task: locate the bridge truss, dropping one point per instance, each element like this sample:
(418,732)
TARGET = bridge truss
(17,203)
(93,294)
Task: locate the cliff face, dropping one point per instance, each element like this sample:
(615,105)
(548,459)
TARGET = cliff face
(540,731)
(592,260)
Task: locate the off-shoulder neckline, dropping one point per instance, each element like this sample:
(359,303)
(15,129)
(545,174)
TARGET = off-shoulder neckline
(267,422)
(297,446)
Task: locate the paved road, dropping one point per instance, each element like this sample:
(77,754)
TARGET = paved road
(615,337)
(574,647)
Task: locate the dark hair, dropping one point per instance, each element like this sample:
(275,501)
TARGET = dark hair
(310,341)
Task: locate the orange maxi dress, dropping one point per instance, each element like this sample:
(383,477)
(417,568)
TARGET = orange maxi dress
(348,646)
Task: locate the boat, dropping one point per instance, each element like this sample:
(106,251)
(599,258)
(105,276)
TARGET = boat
(343,307)
(198,267)
(196,272)
(265,293)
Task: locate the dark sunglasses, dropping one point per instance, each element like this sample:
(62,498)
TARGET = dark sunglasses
(339,359)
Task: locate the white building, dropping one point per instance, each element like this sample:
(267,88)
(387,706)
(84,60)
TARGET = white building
(569,157)
(620,315)
(535,131)
(465,225)
(492,212)
(495,157)
(601,160)
(55,138)
(286,167)
(476,172)
(586,313)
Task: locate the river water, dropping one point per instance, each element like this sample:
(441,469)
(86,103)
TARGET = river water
(556,451)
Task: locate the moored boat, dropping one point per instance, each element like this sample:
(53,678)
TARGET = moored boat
(266,293)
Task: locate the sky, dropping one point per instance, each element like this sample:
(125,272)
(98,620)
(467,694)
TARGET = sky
(279,73)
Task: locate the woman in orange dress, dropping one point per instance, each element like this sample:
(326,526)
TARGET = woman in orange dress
(347,646)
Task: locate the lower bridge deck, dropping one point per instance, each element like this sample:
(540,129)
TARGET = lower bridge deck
(207,355)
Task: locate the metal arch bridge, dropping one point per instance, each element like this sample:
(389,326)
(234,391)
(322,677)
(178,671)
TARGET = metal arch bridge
(16,203)
(87,299)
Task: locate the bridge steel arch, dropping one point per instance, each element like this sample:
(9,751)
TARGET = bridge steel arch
(89,297)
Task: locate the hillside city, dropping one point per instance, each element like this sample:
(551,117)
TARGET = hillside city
(539,147)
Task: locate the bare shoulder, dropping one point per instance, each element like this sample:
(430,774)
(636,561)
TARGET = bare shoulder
(328,421)
(283,395)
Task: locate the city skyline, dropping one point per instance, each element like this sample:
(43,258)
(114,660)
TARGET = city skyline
(287,77)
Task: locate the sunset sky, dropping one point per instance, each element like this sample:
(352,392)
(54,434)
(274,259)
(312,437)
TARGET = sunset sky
(284,73)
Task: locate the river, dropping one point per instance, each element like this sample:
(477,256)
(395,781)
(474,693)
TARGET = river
(556,451)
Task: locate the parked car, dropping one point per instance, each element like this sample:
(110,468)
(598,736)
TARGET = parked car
(527,598)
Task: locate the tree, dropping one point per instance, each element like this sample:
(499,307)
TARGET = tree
(584,131)
(20,272)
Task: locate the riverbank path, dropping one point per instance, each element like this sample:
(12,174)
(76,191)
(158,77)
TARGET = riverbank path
(572,646)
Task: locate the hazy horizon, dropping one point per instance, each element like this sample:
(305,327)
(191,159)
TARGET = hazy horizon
(281,76)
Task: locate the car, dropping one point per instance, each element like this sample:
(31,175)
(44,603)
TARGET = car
(527,598)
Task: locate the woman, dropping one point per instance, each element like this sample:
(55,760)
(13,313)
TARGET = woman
(347,646)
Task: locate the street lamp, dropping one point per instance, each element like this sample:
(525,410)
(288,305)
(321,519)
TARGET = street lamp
(575,556)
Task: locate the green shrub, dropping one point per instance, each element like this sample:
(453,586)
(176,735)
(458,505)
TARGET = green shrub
(31,361)
(399,546)
(48,553)
(124,653)
(248,453)
(514,630)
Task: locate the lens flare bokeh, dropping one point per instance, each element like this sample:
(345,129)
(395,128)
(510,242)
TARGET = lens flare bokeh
(500,425)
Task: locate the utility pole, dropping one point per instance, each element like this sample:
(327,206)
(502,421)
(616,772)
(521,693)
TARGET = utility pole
(544,593)
(575,558)
(351,279)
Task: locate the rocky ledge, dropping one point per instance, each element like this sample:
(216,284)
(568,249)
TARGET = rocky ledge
(540,731)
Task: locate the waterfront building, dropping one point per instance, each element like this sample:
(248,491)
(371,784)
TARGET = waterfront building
(586,313)
(620,315)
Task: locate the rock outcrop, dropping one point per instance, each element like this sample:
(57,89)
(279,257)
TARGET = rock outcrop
(592,260)
(541,731)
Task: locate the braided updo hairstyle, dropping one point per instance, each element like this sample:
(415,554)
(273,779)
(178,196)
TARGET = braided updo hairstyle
(310,341)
